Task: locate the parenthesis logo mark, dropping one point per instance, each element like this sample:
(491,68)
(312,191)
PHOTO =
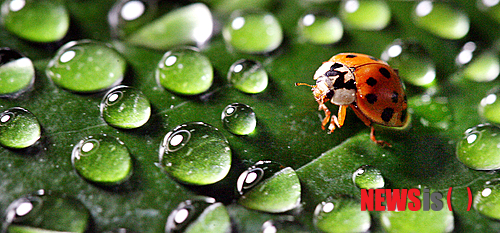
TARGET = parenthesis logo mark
(448,198)
(470,198)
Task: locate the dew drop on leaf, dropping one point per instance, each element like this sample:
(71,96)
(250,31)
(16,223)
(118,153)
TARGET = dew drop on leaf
(239,119)
(479,149)
(487,200)
(347,211)
(125,107)
(16,73)
(365,15)
(248,76)
(19,128)
(368,177)
(441,19)
(320,27)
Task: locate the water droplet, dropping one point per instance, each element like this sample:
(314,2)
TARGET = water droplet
(46,212)
(320,27)
(16,73)
(414,63)
(125,107)
(478,65)
(39,21)
(192,24)
(479,148)
(253,31)
(200,214)
(239,119)
(441,19)
(269,187)
(185,71)
(487,201)
(368,177)
(102,159)
(420,220)
(489,107)
(19,128)
(86,66)
(328,214)
(195,153)
(491,7)
(248,76)
(431,111)
(365,15)
(126,16)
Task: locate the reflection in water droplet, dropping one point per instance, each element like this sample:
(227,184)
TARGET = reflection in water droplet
(200,214)
(239,119)
(17,73)
(86,66)
(368,177)
(46,212)
(132,10)
(269,187)
(365,15)
(441,19)
(195,153)
(487,201)
(253,31)
(19,128)
(102,159)
(491,7)
(16,5)
(479,149)
(330,213)
(185,71)
(248,76)
(320,28)
(125,107)
(489,107)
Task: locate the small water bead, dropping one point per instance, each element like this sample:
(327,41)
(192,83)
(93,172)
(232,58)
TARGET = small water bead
(479,66)
(489,107)
(19,128)
(480,147)
(195,153)
(239,119)
(365,15)
(320,28)
(191,24)
(269,187)
(126,16)
(16,72)
(441,19)
(248,76)
(341,215)
(200,214)
(253,31)
(431,111)
(185,71)
(46,212)
(487,201)
(86,66)
(125,107)
(368,177)
(418,67)
(102,159)
(36,20)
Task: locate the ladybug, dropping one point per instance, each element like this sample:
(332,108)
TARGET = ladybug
(368,85)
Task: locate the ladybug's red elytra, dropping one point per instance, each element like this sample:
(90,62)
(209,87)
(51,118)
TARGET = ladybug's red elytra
(368,85)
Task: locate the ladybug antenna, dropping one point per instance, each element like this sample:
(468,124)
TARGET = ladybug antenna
(304,84)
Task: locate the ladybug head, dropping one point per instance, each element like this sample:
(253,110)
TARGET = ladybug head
(335,82)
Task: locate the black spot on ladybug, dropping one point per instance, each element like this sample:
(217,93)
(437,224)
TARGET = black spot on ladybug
(371,81)
(387,114)
(373,58)
(339,82)
(371,98)
(351,56)
(350,85)
(394,97)
(403,115)
(335,66)
(385,72)
(330,94)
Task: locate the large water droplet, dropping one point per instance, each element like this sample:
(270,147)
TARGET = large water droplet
(185,71)
(441,19)
(487,200)
(253,32)
(414,63)
(480,147)
(239,119)
(365,15)
(125,107)
(192,24)
(248,76)
(102,159)
(195,153)
(478,65)
(16,72)
(269,187)
(341,215)
(368,177)
(320,27)
(46,212)
(431,111)
(86,66)
(201,214)
(489,107)
(19,128)
(38,21)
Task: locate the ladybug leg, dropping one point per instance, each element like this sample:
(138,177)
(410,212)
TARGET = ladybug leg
(342,114)
(379,142)
(327,115)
